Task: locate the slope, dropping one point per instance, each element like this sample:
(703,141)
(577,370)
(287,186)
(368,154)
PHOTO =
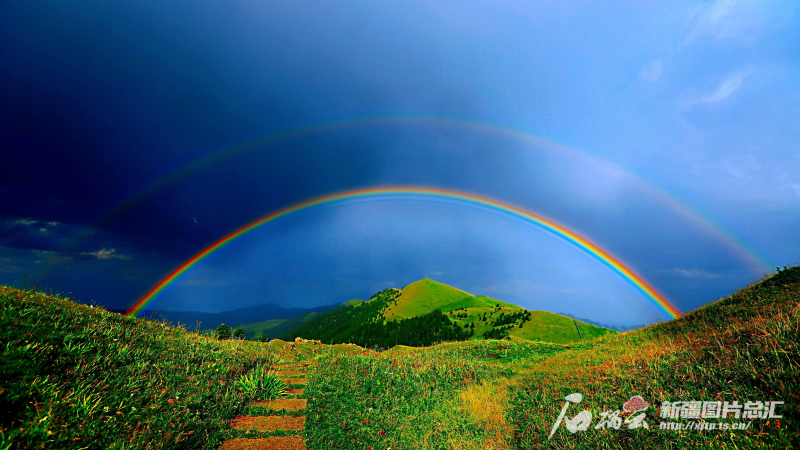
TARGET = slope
(739,349)
(74,376)
(477,317)
(489,394)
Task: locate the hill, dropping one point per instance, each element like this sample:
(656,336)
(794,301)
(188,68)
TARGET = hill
(385,319)
(73,376)
(742,350)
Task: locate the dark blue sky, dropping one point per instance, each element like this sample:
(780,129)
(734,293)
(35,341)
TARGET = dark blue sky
(645,113)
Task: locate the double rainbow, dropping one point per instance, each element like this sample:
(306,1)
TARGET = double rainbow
(418,193)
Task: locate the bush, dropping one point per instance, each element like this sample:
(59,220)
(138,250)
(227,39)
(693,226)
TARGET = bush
(262,384)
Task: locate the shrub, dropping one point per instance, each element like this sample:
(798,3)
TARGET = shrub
(262,384)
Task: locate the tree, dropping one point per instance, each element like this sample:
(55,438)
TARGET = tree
(223,331)
(238,333)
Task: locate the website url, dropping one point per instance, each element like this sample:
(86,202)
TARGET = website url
(677,426)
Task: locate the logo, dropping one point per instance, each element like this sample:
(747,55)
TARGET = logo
(615,419)
(633,415)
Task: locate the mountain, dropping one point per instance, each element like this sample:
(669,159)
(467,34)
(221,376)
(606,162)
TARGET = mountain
(274,328)
(248,315)
(403,316)
(620,328)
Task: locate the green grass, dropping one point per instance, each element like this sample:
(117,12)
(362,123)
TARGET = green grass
(426,295)
(262,383)
(551,327)
(78,377)
(508,394)
(75,376)
(742,348)
(353,302)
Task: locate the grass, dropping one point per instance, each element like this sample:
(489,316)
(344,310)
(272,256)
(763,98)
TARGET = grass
(507,395)
(551,327)
(262,383)
(80,377)
(741,348)
(426,295)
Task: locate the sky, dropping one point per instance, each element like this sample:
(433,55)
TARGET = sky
(135,135)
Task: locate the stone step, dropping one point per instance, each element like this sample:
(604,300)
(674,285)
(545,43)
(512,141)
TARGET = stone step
(294,391)
(294,380)
(285,373)
(269,423)
(269,443)
(282,404)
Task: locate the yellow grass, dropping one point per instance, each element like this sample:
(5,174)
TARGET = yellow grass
(486,404)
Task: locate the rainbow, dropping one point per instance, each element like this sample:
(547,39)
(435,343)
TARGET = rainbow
(746,255)
(389,193)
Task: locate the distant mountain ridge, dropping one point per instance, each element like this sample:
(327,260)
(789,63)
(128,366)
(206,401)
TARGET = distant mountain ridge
(620,328)
(247,315)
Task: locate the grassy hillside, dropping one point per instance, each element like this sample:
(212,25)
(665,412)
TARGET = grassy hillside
(508,394)
(76,377)
(477,316)
(363,324)
(79,377)
(425,295)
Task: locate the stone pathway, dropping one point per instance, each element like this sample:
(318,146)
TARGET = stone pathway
(290,420)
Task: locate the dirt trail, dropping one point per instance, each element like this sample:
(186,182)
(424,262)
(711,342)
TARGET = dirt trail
(290,419)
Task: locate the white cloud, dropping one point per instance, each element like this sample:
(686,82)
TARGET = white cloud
(731,84)
(652,72)
(110,253)
(27,222)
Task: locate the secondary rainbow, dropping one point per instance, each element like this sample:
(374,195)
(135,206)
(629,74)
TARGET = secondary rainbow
(388,193)
(747,255)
